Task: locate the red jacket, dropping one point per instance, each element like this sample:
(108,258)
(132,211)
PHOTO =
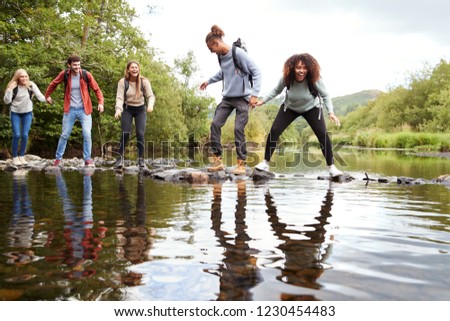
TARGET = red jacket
(87,103)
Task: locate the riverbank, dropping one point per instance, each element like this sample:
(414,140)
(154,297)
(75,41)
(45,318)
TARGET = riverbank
(419,142)
(167,170)
(412,151)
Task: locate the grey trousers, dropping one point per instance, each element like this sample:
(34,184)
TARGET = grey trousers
(223,111)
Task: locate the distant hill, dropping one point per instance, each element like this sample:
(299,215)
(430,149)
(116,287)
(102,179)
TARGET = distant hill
(345,104)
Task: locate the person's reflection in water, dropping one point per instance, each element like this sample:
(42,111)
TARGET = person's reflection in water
(134,237)
(238,272)
(305,254)
(82,246)
(21,230)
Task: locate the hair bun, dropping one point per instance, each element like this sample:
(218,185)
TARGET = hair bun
(217,31)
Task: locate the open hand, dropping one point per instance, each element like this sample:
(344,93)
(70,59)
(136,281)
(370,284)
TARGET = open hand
(334,119)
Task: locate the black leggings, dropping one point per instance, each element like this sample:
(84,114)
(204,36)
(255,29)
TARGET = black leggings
(285,118)
(140,118)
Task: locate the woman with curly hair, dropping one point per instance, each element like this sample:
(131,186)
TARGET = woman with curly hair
(18,95)
(305,93)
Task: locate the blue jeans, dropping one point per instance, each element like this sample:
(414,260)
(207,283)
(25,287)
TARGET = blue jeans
(20,124)
(67,125)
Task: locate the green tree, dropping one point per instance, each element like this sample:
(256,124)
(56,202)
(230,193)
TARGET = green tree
(39,35)
(194,104)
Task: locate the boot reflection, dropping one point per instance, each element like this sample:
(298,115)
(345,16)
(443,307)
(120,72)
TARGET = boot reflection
(304,254)
(134,238)
(238,271)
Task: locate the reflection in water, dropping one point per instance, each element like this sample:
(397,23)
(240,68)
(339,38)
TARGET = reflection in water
(21,230)
(238,273)
(132,232)
(81,245)
(304,253)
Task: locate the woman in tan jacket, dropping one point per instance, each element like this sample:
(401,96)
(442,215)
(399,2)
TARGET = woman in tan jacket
(132,93)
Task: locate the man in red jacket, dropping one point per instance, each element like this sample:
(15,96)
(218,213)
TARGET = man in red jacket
(77,106)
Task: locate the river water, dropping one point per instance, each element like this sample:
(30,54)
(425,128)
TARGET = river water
(103,236)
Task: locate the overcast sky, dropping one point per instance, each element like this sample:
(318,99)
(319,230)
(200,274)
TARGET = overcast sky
(359,44)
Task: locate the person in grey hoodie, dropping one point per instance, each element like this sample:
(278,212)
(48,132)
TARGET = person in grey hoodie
(18,95)
(238,94)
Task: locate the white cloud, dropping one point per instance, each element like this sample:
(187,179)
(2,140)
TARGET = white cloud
(359,44)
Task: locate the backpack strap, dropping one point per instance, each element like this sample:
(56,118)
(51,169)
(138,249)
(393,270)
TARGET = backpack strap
(16,89)
(127,85)
(143,90)
(312,89)
(237,64)
(83,74)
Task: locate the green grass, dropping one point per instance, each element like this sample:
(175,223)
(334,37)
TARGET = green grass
(408,140)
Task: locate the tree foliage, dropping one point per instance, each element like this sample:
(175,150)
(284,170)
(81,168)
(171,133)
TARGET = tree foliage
(39,35)
(421,105)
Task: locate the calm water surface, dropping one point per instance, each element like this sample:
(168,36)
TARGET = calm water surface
(102,236)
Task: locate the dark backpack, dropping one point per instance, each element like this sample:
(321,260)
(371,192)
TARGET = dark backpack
(238,43)
(16,89)
(127,85)
(83,74)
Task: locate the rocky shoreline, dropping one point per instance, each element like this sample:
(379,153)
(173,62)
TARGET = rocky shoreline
(167,170)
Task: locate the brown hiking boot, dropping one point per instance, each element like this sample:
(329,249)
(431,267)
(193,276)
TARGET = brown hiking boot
(240,168)
(216,164)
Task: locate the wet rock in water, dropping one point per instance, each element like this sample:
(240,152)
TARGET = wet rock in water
(443,179)
(344,178)
(379,180)
(171,175)
(259,175)
(166,169)
(197,177)
(218,176)
(411,181)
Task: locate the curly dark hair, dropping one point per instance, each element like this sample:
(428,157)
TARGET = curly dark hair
(311,64)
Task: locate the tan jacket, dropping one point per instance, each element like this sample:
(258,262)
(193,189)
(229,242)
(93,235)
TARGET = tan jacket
(131,99)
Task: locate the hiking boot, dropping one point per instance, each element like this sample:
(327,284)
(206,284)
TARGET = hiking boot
(240,168)
(216,164)
(334,172)
(57,163)
(141,163)
(23,160)
(16,161)
(263,166)
(89,163)
(119,163)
